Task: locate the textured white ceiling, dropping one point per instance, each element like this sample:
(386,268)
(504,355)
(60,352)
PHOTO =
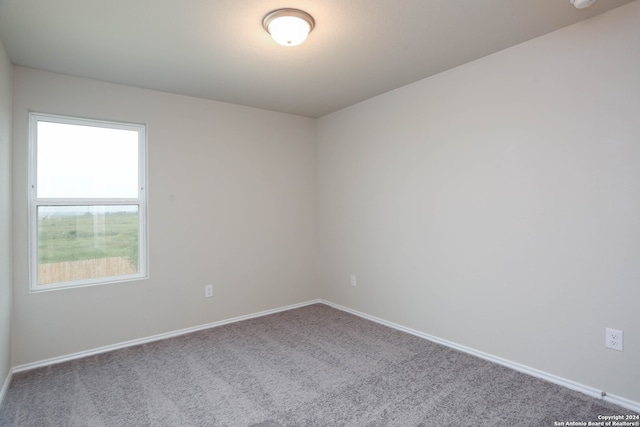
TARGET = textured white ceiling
(218,49)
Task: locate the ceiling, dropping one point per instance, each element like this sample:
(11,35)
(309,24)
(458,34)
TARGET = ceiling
(217,49)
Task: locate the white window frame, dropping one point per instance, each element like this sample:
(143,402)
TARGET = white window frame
(35,202)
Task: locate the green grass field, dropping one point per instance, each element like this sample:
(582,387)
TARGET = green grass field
(82,237)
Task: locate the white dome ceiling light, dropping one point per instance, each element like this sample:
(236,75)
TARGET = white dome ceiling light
(288,27)
(582,4)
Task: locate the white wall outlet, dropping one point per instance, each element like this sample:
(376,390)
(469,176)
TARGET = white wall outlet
(614,339)
(208,291)
(353,280)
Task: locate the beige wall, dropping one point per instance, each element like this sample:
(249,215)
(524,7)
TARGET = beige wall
(497,205)
(231,202)
(6,90)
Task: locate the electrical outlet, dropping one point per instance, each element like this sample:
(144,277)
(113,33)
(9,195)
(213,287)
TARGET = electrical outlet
(614,339)
(208,291)
(353,280)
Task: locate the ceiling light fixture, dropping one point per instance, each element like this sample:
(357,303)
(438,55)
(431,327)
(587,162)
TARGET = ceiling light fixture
(582,4)
(288,27)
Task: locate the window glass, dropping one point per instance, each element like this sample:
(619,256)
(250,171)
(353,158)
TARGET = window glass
(87,202)
(86,161)
(86,242)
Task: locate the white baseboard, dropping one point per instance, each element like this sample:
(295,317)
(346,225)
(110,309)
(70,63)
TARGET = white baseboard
(590,391)
(153,338)
(5,386)
(621,401)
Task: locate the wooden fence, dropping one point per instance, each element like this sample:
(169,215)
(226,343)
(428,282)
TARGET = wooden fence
(86,269)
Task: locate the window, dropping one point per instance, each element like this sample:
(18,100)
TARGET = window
(87,212)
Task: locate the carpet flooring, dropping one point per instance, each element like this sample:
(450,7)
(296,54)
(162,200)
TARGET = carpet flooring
(312,366)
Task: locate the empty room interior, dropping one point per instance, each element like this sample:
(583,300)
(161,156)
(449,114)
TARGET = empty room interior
(463,173)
